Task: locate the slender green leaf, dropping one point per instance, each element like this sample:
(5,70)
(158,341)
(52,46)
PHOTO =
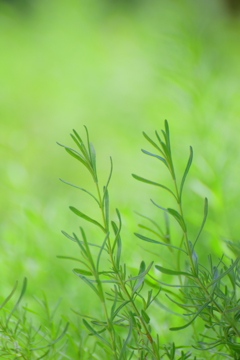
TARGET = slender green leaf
(203,222)
(141,275)
(87,250)
(156,156)
(78,156)
(119,249)
(184,306)
(171,285)
(139,178)
(186,172)
(120,308)
(165,138)
(85,217)
(117,230)
(93,161)
(152,221)
(145,316)
(87,281)
(195,261)
(10,295)
(114,302)
(152,142)
(177,217)
(82,272)
(19,299)
(78,137)
(94,332)
(81,245)
(106,209)
(74,239)
(164,146)
(78,142)
(175,214)
(158,242)
(141,279)
(172,272)
(69,148)
(101,250)
(72,258)
(88,141)
(54,341)
(167,132)
(160,207)
(32,311)
(190,322)
(152,231)
(109,178)
(68,183)
(224,273)
(82,146)
(121,356)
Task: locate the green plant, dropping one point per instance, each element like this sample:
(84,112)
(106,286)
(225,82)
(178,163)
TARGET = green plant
(21,339)
(208,292)
(211,293)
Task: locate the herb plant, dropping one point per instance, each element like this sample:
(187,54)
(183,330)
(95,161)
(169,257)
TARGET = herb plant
(21,339)
(206,293)
(209,292)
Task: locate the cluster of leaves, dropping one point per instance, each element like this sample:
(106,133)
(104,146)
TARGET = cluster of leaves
(21,339)
(209,293)
(125,330)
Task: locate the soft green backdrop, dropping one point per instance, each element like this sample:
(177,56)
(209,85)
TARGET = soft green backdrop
(119,68)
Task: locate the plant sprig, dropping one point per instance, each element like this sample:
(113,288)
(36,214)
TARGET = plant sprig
(206,292)
(126,288)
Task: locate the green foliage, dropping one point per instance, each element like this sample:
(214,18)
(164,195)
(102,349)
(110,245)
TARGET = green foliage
(20,339)
(126,329)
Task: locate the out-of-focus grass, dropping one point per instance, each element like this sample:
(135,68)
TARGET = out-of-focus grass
(119,69)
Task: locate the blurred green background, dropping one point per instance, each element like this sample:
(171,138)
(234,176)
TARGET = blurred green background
(119,67)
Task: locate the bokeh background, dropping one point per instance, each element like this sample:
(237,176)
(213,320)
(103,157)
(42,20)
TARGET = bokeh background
(120,68)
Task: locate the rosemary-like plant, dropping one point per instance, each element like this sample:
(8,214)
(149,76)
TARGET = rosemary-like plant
(21,339)
(205,292)
(124,331)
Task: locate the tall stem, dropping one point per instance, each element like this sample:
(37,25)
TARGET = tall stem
(120,280)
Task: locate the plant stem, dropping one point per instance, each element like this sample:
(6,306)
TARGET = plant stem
(120,280)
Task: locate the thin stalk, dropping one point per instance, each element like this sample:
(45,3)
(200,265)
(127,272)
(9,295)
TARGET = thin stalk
(121,282)
(99,284)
